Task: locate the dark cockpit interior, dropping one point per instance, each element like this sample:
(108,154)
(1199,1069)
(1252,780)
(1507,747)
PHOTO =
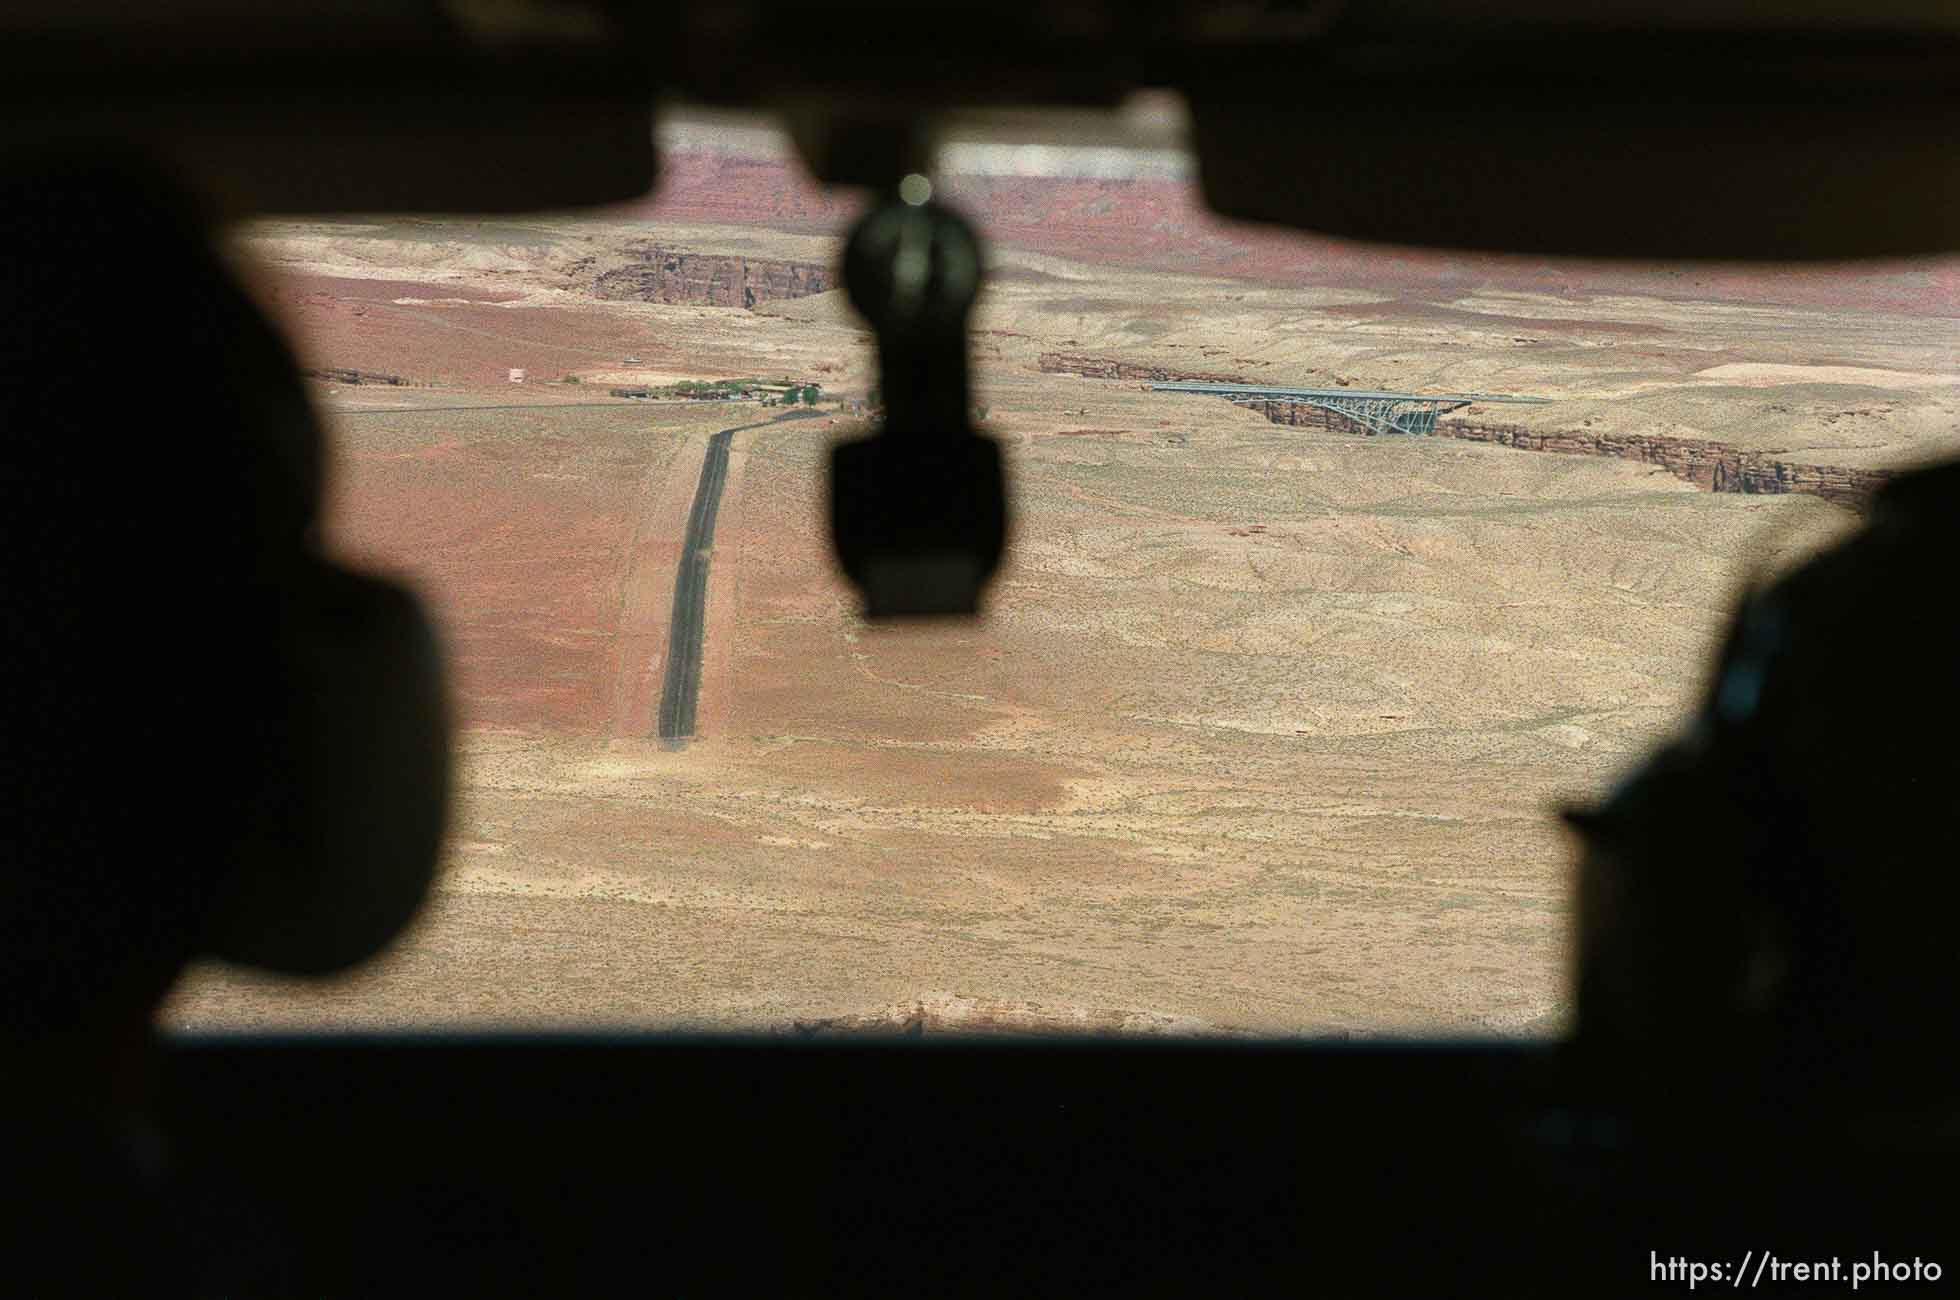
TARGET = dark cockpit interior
(226,742)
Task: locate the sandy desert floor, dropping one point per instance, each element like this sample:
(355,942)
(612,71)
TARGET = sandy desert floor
(1264,729)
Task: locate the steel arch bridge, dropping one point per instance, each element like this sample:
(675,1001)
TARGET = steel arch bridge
(1377,412)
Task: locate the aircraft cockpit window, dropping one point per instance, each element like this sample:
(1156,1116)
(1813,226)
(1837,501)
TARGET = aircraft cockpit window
(1334,570)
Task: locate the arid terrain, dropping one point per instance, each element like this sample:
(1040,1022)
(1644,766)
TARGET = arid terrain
(1266,725)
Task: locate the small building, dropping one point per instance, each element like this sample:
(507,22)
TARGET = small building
(516,376)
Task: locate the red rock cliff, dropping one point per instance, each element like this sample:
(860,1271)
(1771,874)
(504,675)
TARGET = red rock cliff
(1077,363)
(1711,466)
(671,275)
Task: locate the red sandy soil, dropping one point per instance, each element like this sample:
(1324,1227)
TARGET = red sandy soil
(355,323)
(519,541)
(1163,223)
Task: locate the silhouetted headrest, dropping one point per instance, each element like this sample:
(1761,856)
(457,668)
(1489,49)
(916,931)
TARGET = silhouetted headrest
(158,462)
(131,363)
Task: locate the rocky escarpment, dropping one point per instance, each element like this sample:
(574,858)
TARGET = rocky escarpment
(1078,363)
(346,375)
(959,1014)
(671,275)
(1711,466)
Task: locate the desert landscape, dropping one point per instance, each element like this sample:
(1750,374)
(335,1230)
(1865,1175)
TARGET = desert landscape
(1267,723)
